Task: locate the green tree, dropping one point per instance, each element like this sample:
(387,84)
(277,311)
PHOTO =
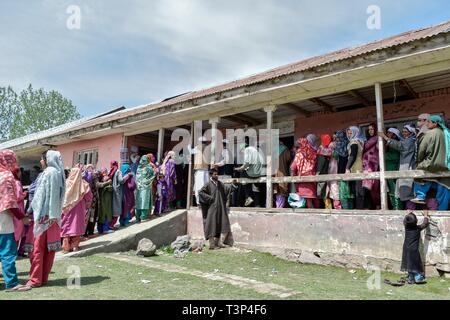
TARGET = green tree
(33,111)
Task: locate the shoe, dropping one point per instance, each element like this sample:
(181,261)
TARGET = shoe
(418,201)
(248,201)
(212,244)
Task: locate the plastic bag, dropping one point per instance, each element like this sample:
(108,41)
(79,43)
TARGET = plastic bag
(295,201)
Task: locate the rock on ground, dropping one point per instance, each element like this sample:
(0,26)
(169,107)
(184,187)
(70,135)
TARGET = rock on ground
(182,243)
(146,248)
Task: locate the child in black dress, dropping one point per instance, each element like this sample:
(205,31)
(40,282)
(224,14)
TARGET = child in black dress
(411,261)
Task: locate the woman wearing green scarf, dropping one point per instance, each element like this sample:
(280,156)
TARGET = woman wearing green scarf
(144,180)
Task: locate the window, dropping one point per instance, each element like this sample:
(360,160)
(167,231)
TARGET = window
(86,157)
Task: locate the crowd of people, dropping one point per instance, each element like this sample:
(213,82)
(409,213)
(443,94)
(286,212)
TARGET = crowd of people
(63,205)
(421,146)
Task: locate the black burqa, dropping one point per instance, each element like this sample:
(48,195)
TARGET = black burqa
(213,198)
(411,261)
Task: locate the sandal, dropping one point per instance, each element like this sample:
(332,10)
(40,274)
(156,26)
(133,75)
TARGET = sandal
(19,287)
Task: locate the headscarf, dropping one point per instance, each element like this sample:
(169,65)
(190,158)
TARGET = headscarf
(88,175)
(169,156)
(76,189)
(8,196)
(113,170)
(313,141)
(341,143)
(125,169)
(305,147)
(48,200)
(152,159)
(325,149)
(356,134)
(396,132)
(440,122)
(145,174)
(410,129)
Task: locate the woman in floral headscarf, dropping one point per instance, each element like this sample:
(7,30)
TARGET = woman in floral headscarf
(105,191)
(304,164)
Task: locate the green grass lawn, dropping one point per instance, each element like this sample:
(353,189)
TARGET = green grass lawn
(105,278)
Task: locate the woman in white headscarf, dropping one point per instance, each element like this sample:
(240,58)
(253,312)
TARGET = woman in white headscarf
(355,163)
(47,206)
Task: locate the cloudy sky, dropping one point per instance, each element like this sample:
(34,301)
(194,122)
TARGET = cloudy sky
(140,51)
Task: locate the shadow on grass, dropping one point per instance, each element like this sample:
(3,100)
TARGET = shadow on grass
(84,281)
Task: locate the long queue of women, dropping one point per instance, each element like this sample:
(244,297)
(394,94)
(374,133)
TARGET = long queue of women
(63,205)
(425,147)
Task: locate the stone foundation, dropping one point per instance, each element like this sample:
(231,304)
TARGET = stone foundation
(350,240)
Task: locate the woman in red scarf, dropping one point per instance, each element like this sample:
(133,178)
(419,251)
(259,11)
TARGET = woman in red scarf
(304,164)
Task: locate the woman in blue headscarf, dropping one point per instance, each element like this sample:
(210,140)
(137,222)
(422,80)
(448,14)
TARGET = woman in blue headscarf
(128,194)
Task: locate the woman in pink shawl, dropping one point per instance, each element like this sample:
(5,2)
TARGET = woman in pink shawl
(371,163)
(77,200)
(304,164)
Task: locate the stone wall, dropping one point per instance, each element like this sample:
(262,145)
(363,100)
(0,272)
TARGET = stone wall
(347,239)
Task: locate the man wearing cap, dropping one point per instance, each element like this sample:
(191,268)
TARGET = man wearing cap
(433,156)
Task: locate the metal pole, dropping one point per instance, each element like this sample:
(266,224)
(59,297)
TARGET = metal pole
(189,184)
(269,187)
(160,145)
(380,126)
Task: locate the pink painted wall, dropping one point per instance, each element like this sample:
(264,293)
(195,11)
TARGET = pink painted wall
(108,149)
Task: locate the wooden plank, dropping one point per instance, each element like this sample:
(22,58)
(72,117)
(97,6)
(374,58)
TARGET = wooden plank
(323,104)
(243,119)
(297,108)
(412,93)
(357,95)
(414,174)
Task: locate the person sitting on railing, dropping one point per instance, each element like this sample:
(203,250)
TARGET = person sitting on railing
(406,147)
(371,163)
(354,164)
(434,156)
(392,162)
(304,164)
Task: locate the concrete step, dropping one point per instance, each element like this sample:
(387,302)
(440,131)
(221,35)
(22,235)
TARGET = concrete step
(161,231)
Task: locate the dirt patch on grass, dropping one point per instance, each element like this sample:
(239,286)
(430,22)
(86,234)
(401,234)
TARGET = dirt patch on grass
(246,283)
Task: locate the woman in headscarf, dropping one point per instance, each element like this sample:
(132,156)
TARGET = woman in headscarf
(9,208)
(117,182)
(333,186)
(170,175)
(284,161)
(128,195)
(156,169)
(371,163)
(144,181)
(77,201)
(324,154)
(47,206)
(404,187)
(341,155)
(304,164)
(105,191)
(21,195)
(392,159)
(90,177)
(354,164)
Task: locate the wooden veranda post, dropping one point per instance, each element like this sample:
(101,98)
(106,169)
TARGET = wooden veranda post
(269,187)
(380,126)
(213,122)
(189,183)
(160,145)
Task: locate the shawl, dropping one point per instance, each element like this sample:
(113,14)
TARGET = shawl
(145,174)
(169,156)
(313,141)
(113,170)
(396,132)
(341,143)
(48,200)
(8,196)
(325,149)
(438,119)
(76,189)
(305,159)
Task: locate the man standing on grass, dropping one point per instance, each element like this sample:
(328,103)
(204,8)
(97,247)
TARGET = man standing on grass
(213,198)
